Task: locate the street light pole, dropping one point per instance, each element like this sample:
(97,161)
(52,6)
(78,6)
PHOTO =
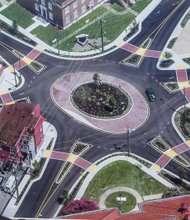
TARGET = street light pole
(184,102)
(102,34)
(128,144)
(15,75)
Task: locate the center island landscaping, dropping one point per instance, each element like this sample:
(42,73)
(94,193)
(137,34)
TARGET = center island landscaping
(101,99)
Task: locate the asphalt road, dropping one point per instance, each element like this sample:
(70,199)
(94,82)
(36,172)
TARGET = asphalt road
(159,122)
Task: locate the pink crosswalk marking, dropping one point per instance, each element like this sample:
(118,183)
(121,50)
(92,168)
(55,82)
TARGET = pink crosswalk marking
(181,75)
(57,155)
(163,161)
(6,98)
(181,148)
(1,70)
(19,65)
(152,53)
(33,54)
(186,92)
(82,163)
(129,47)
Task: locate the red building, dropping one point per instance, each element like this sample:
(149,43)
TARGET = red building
(21,131)
(60,12)
(163,209)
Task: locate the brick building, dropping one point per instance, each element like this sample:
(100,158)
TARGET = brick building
(21,132)
(163,209)
(60,12)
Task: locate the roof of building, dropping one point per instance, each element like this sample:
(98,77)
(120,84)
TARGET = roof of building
(105,214)
(13,119)
(163,209)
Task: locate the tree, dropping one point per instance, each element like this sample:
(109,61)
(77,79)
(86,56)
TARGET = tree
(14,27)
(96,78)
(78,206)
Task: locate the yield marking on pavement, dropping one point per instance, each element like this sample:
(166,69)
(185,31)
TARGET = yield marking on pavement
(27,60)
(47,153)
(11,69)
(170,153)
(3,92)
(180,67)
(10,103)
(155,167)
(120,43)
(91,168)
(72,158)
(141,51)
(39,48)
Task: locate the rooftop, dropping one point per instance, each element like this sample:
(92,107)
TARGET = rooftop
(13,119)
(163,209)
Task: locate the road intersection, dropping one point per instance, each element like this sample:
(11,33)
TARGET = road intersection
(146,75)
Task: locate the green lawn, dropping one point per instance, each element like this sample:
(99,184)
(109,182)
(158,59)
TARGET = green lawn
(16,13)
(140,5)
(118,7)
(123,206)
(113,26)
(122,173)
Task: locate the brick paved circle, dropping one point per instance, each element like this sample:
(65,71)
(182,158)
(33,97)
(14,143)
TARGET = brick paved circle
(61,90)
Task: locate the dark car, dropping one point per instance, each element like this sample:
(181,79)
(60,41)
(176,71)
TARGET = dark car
(150,94)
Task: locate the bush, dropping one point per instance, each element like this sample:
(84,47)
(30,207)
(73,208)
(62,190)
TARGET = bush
(78,206)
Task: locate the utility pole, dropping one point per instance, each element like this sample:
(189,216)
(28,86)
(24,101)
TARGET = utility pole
(184,102)
(102,33)
(128,144)
(58,38)
(16,183)
(15,75)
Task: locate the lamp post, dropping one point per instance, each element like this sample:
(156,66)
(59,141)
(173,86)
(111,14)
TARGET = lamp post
(128,144)
(184,102)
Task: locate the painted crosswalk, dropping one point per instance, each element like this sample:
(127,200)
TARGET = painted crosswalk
(141,51)
(181,148)
(7,98)
(70,157)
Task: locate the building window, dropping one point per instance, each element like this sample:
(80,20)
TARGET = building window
(91,5)
(36,7)
(75,14)
(67,10)
(49,5)
(83,9)
(43,2)
(67,19)
(50,16)
(75,5)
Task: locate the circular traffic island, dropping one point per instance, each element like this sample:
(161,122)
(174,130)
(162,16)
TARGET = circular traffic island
(122,200)
(102,100)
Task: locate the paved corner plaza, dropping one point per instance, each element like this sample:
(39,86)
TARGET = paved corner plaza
(138,114)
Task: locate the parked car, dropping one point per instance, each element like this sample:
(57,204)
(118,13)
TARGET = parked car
(150,94)
(10,184)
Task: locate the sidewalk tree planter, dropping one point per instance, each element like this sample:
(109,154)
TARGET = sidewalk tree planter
(101,100)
